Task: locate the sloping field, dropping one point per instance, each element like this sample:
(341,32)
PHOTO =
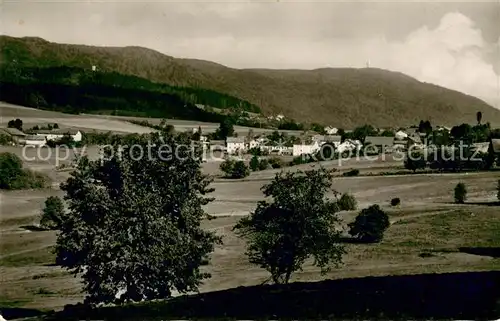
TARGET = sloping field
(32,116)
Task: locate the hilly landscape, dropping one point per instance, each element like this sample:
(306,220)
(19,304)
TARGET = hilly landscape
(343,97)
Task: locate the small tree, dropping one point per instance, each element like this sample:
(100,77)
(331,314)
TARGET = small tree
(15,123)
(234,169)
(299,223)
(347,202)
(460,193)
(53,213)
(370,225)
(254,163)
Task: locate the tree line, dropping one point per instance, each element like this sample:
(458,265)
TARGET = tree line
(75,90)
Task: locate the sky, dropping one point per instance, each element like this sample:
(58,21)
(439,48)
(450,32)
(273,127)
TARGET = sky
(451,44)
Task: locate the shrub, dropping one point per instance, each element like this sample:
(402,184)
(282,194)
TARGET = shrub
(460,193)
(234,169)
(254,163)
(240,170)
(276,162)
(352,172)
(370,225)
(395,201)
(13,176)
(227,166)
(52,213)
(347,202)
(299,223)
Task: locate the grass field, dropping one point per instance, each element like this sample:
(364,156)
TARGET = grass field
(119,124)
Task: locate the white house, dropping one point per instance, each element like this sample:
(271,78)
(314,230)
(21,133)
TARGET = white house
(56,134)
(235,145)
(300,149)
(34,140)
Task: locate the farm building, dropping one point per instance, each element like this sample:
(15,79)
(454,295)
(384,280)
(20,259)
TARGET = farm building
(235,144)
(381,143)
(56,134)
(494,147)
(17,135)
(34,140)
(301,149)
(349,145)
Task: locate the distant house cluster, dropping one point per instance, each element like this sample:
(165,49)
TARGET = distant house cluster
(41,137)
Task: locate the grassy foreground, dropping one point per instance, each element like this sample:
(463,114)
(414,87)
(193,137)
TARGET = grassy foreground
(439,264)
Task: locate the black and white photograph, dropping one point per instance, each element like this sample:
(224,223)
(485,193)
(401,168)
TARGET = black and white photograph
(249,160)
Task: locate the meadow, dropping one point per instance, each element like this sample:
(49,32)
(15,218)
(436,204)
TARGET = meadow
(428,234)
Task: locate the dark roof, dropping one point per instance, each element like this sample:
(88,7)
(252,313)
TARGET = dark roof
(379,140)
(13,132)
(60,131)
(481,147)
(218,142)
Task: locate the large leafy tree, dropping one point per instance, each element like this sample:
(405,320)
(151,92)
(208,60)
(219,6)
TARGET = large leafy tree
(133,221)
(297,224)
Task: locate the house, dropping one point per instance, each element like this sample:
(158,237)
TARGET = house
(56,134)
(34,140)
(331,130)
(333,139)
(381,143)
(235,145)
(349,145)
(17,135)
(401,135)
